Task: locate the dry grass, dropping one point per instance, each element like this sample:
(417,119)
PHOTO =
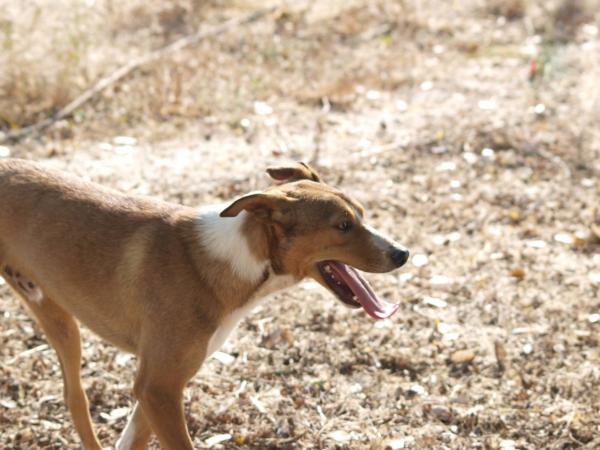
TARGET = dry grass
(468,130)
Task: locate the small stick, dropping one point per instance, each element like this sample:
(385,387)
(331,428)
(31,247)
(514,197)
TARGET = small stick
(39,348)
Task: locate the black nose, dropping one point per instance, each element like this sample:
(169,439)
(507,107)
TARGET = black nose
(399,256)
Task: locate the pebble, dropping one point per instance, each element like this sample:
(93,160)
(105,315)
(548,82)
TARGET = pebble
(442,413)
(420,260)
(462,357)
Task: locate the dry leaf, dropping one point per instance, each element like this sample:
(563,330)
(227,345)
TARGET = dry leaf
(517,273)
(501,355)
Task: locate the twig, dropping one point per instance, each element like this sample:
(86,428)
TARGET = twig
(378,150)
(121,72)
(39,348)
(314,159)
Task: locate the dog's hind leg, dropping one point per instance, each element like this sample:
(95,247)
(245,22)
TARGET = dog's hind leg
(137,433)
(63,334)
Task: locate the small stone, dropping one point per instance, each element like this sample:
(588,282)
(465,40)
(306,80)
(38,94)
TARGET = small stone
(507,444)
(224,358)
(217,439)
(372,94)
(535,243)
(395,444)
(401,105)
(488,153)
(487,105)
(462,357)
(262,109)
(435,302)
(416,389)
(470,157)
(439,280)
(340,436)
(594,318)
(420,260)
(594,277)
(442,413)
(564,238)
(125,140)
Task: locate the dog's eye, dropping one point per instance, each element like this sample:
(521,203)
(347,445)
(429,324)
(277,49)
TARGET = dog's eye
(345,226)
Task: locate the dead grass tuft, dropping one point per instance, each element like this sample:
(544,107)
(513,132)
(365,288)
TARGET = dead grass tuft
(569,16)
(510,9)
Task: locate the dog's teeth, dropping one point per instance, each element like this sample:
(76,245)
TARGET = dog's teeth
(328,269)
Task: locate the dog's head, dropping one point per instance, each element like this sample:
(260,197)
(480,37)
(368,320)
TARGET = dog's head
(317,231)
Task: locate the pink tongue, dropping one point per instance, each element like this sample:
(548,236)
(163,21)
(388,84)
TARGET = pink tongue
(373,305)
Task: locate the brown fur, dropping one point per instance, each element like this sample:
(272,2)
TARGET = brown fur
(134,271)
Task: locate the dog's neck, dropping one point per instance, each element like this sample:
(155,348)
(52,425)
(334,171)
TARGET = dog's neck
(229,239)
(238,248)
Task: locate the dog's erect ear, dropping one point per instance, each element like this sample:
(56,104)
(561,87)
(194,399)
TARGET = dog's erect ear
(266,206)
(299,171)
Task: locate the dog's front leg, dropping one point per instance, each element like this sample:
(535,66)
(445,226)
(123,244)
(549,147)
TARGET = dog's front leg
(159,388)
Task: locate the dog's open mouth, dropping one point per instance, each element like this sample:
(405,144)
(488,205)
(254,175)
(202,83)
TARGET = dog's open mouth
(352,289)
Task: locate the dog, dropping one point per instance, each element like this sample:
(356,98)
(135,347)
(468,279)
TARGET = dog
(169,283)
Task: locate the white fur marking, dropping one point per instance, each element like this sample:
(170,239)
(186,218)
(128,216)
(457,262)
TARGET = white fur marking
(224,238)
(126,439)
(273,284)
(381,241)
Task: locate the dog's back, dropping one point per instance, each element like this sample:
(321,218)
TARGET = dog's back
(108,235)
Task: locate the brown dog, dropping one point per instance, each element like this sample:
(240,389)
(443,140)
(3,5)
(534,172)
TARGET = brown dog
(167,282)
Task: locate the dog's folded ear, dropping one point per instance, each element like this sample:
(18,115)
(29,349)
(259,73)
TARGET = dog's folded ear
(266,206)
(298,171)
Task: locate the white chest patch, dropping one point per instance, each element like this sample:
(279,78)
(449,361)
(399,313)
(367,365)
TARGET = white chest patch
(224,238)
(274,284)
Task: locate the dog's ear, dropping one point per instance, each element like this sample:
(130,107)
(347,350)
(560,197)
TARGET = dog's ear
(299,171)
(266,206)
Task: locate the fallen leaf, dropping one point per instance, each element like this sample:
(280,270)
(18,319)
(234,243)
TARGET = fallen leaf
(501,355)
(340,436)
(517,273)
(217,439)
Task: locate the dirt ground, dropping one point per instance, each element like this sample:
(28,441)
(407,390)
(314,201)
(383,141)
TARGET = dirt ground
(468,129)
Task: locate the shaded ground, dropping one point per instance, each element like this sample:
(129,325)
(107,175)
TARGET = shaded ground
(469,131)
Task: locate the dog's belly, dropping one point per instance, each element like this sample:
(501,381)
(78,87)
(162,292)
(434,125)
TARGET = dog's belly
(108,327)
(27,288)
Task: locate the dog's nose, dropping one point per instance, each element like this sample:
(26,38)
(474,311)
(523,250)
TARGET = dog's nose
(400,256)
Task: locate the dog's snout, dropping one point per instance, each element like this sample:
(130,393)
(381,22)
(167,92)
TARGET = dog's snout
(399,256)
